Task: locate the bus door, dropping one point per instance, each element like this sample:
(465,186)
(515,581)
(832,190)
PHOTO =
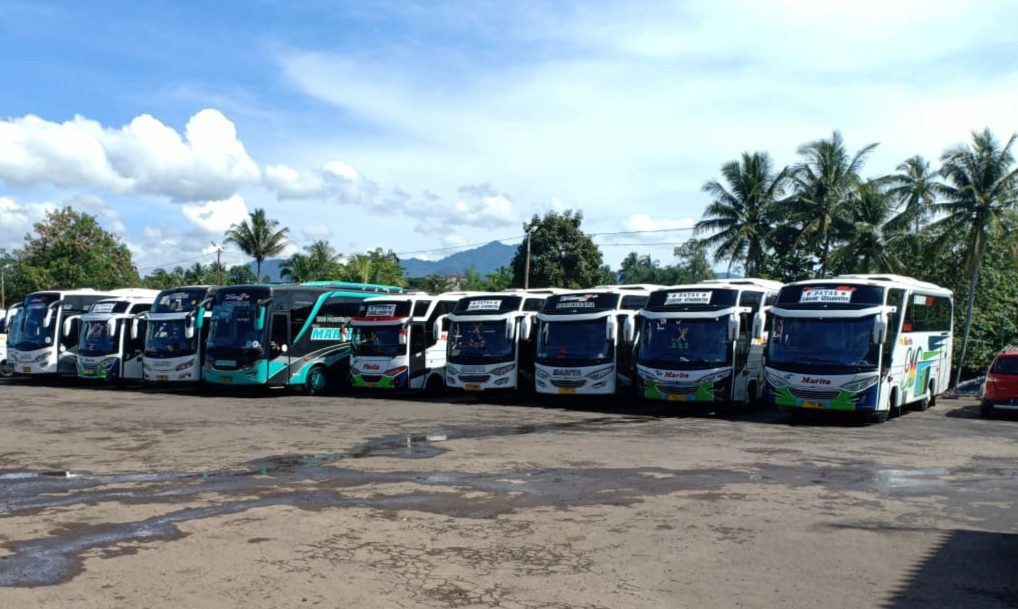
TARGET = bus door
(418,344)
(134,348)
(280,351)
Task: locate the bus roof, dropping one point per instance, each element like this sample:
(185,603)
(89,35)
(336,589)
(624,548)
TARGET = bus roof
(884,280)
(353,286)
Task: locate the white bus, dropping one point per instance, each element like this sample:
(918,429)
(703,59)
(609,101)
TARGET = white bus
(585,340)
(109,348)
(47,341)
(490,343)
(8,336)
(399,341)
(175,330)
(702,344)
(870,344)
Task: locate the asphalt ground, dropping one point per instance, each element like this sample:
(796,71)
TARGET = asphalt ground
(131,497)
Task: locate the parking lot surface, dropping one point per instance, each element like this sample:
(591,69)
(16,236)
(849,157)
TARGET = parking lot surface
(138,498)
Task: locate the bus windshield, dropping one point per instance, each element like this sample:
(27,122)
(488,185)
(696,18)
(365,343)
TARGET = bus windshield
(165,338)
(812,342)
(14,329)
(33,334)
(575,341)
(378,340)
(682,343)
(479,339)
(233,326)
(96,339)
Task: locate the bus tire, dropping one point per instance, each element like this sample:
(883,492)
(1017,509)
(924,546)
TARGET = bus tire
(985,409)
(317,381)
(434,385)
(752,400)
(893,407)
(933,395)
(880,416)
(6,370)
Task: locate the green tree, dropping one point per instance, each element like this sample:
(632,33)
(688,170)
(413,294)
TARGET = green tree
(70,250)
(160,279)
(259,237)
(499,280)
(560,254)
(822,182)
(743,210)
(299,268)
(240,274)
(915,186)
(375,266)
(325,258)
(692,265)
(874,238)
(472,280)
(432,284)
(198,274)
(981,184)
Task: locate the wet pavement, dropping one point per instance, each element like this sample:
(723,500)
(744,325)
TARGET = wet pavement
(460,503)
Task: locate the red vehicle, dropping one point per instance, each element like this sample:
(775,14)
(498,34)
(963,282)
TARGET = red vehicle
(1000,391)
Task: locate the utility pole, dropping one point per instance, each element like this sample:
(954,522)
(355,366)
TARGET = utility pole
(3,287)
(219,263)
(526,265)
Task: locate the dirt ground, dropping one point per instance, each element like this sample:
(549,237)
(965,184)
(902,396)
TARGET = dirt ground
(136,498)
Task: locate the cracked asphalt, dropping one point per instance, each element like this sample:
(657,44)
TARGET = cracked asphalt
(139,498)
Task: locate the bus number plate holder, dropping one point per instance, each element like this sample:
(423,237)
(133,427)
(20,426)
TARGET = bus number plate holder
(225,379)
(162,377)
(566,390)
(677,397)
(812,404)
(472,387)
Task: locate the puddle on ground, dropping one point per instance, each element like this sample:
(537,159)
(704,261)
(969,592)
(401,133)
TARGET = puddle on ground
(320,481)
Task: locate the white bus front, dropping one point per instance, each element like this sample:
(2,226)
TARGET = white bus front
(175,330)
(484,351)
(39,348)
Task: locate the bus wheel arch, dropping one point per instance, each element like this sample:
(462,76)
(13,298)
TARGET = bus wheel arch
(317,381)
(434,384)
(932,401)
(893,406)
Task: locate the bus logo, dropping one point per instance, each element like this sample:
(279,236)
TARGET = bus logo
(676,298)
(328,334)
(484,305)
(838,295)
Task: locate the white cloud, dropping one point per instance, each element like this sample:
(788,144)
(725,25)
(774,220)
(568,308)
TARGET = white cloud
(216,217)
(145,156)
(318,232)
(477,209)
(17,219)
(335,181)
(96,206)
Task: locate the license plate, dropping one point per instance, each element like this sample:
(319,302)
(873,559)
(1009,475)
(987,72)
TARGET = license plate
(162,377)
(811,404)
(472,387)
(370,385)
(26,369)
(566,390)
(673,397)
(225,379)
(88,372)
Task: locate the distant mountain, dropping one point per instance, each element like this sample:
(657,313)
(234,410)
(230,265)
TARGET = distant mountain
(485,259)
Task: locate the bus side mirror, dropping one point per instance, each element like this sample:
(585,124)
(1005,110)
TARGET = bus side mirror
(403,335)
(199,318)
(111,326)
(759,322)
(436,329)
(46,321)
(879,329)
(67,327)
(510,329)
(134,329)
(189,330)
(733,326)
(611,327)
(260,320)
(525,328)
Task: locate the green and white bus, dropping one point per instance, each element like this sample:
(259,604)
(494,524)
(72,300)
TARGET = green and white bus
(869,344)
(702,344)
(284,335)
(108,347)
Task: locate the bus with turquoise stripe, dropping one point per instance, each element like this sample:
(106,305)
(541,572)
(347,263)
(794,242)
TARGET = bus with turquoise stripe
(701,345)
(868,344)
(284,335)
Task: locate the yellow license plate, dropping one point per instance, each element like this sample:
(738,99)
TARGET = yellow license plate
(225,379)
(26,369)
(472,387)
(811,404)
(566,390)
(162,377)
(673,397)
(370,385)
(88,372)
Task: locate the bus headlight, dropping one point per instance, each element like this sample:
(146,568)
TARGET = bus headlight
(776,380)
(503,370)
(42,358)
(859,385)
(600,374)
(185,365)
(717,376)
(395,371)
(109,362)
(541,374)
(454,371)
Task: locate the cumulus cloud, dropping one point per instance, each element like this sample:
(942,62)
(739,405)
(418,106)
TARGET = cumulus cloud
(144,156)
(335,181)
(17,219)
(318,232)
(216,217)
(476,207)
(96,206)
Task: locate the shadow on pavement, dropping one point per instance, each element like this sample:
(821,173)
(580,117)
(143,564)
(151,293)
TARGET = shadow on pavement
(967,569)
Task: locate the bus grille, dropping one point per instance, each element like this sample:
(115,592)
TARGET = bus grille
(814,394)
(568,382)
(474,378)
(678,389)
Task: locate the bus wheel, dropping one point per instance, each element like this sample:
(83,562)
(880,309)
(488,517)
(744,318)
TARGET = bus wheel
(933,395)
(6,370)
(434,385)
(880,416)
(317,381)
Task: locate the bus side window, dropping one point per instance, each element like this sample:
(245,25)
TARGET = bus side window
(71,340)
(895,298)
(417,339)
(279,335)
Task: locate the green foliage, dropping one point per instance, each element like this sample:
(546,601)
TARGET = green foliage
(259,237)
(69,250)
(240,274)
(692,266)
(499,280)
(375,266)
(472,280)
(432,284)
(560,254)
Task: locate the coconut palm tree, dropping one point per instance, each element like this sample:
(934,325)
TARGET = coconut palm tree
(980,189)
(873,235)
(325,257)
(743,210)
(259,237)
(300,268)
(822,183)
(915,185)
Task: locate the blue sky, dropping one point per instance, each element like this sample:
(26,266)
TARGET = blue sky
(424,126)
